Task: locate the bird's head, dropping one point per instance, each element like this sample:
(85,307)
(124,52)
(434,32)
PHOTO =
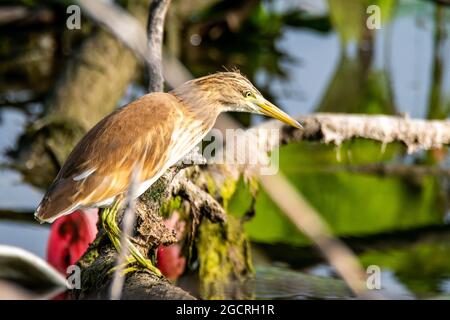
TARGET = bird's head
(231,91)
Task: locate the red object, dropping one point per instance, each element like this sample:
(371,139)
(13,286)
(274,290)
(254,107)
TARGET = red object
(70,236)
(171,263)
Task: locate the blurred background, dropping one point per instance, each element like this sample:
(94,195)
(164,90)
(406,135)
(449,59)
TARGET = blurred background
(306,56)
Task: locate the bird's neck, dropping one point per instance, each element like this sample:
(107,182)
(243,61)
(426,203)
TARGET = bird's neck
(200,103)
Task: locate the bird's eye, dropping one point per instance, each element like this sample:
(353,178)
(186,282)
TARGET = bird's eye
(247,94)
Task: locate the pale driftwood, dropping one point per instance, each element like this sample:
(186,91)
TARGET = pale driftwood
(415,134)
(155,30)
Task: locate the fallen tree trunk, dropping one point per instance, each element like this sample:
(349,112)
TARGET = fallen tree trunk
(98,262)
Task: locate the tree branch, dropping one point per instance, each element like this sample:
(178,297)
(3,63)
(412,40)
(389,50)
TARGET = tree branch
(415,134)
(155,31)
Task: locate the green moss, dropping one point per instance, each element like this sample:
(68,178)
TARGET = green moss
(90,256)
(210,184)
(170,206)
(224,256)
(157,189)
(91,253)
(227,190)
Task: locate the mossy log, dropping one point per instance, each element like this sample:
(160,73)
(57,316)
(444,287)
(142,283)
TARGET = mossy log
(224,260)
(218,243)
(149,233)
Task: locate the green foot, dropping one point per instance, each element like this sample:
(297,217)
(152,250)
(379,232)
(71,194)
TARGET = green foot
(108,218)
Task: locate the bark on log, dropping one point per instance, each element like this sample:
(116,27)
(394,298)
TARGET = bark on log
(149,233)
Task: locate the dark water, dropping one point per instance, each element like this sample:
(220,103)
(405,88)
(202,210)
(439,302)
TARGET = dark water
(397,222)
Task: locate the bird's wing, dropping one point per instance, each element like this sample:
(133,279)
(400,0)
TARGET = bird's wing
(100,166)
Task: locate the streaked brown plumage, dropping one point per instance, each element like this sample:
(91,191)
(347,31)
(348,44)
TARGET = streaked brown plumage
(154,131)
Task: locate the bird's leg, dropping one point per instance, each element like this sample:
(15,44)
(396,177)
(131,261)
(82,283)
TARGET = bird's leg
(108,218)
(126,266)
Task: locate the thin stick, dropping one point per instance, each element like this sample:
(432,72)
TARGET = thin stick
(147,47)
(132,34)
(155,32)
(129,217)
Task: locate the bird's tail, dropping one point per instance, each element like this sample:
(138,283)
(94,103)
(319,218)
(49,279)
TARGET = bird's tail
(56,202)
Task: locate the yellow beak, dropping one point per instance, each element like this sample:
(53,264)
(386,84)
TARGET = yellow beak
(269,109)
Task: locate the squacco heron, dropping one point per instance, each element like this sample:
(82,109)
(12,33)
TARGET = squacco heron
(155,131)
